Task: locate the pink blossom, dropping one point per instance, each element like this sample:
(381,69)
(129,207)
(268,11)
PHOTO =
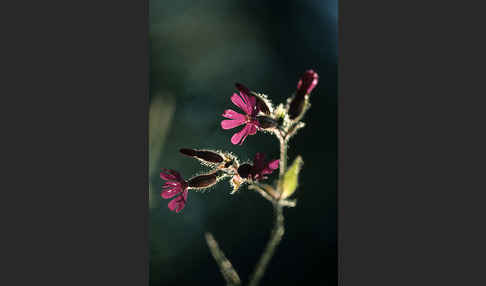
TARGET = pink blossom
(175,186)
(259,169)
(247,103)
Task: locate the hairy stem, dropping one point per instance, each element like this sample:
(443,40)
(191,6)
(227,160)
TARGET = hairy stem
(278,227)
(283,156)
(275,238)
(229,274)
(261,191)
(227,270)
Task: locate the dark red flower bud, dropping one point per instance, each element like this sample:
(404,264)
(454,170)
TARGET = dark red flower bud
(304,87)
(296,107)
(262,105)
(307,83)
(203,181)
(208,156)
(188,152)
(266,122)
(244,170)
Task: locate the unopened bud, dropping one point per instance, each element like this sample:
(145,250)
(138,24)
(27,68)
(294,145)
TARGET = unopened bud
(204,155)
(266,122)
(297,106)
(307,83)
(291,178)
(262,105)
(304,87)
(203,181)
(244,170)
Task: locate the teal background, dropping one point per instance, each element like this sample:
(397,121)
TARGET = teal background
(198,50)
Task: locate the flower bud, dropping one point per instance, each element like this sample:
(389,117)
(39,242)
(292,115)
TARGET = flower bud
(296,107)
(266,122)
(304,87)
(291,178)
(203,181)
(307,83)
(262,105)
(204,155)
(244,170)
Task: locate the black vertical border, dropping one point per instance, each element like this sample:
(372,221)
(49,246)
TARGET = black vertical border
(76,206)
(411,143)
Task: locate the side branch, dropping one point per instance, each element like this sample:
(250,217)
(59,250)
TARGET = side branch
(227,270)
(260,190)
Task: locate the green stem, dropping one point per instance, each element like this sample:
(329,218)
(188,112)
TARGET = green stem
(283,157)
(278,227)
(227,270)
(276,236)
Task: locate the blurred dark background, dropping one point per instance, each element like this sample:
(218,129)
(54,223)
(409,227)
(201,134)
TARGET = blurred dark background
(198,50)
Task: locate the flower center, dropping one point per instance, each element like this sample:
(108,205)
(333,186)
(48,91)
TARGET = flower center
(251,119)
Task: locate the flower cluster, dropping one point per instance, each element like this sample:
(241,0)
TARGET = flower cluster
(258,115)
(222,165)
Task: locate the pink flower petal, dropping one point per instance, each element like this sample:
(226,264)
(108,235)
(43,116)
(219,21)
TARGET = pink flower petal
(252,102)
(171,188)
(252,130)
(240,136)
(167,194)
(167,176)
(229,124)
(274,164)
(259,161)
(242,103)
(243,89)
(173,205)
(170,175)
(231,114)
(171,184)
(178,203)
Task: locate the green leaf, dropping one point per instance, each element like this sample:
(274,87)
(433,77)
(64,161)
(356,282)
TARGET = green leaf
(291,178)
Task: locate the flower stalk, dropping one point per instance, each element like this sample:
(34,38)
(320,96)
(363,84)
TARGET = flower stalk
(283,156)
(275,238)
(227,270)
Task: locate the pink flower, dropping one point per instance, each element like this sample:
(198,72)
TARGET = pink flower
(247,103)
(175,186)
(259,169)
